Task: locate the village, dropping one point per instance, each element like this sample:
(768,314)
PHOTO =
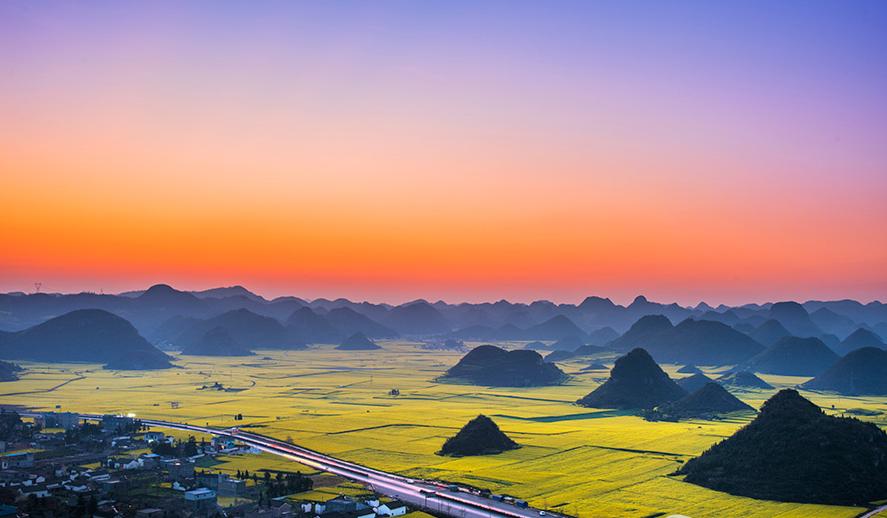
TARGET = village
(57,464)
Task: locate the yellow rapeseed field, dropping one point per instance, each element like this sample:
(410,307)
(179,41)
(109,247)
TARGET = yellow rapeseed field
(580,461)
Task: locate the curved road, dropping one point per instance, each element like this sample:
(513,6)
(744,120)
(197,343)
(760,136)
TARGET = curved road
(435,498)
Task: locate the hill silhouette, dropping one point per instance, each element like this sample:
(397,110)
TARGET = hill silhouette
(860,373)
(831,322)
(306,326)
(249,329)
(557,327)
(693,383)
(165,297)
(417,318)
(358,342)
(227,292)
(9,371)
(743,379)
(492,366)
(596,304)
(692,341)
(85,335)
(480,436)
(769,332)
(793,356)
(859,338)
(139,360)
(689,369)
(217,342)
(706,342)
(636,381)
(536,345)
(596,366)
(347,322)
(793,452)
(708,401)
(795,318)
(642,332)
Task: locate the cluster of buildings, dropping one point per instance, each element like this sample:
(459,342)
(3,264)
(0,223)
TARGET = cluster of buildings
(338,507)
(116,468)
(103,467)
(345,507)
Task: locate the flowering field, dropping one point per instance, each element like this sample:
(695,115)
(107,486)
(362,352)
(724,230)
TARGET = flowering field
(580,461)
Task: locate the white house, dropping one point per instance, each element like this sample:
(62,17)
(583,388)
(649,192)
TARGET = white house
(392,509)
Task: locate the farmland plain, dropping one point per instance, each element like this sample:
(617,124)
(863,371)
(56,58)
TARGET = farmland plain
(583,462)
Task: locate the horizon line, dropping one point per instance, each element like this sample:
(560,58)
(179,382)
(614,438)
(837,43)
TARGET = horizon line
(311,300)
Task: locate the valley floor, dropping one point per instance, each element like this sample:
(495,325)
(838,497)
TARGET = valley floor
(579,461)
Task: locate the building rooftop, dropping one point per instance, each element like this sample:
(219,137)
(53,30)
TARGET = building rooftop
(201,493)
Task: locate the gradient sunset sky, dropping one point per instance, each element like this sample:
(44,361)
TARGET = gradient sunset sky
(731,152)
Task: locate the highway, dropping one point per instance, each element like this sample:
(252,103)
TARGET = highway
(436,498)
(874,512)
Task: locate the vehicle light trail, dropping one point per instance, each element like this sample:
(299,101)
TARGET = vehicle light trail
(453,501)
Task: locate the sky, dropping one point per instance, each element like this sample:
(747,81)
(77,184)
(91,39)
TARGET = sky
(721,151)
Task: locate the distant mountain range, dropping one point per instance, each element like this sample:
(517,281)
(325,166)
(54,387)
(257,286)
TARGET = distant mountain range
(179,320)
(148,308)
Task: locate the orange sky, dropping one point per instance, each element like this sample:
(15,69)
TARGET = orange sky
(129,158)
